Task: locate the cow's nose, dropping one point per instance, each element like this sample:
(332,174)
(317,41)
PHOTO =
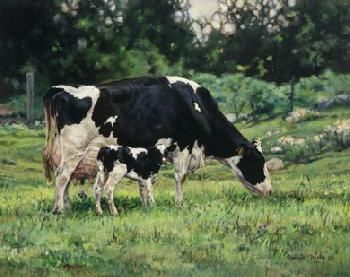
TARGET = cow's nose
(269,192)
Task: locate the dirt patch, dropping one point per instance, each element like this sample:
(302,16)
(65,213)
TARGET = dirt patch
(9,115)
(6,111)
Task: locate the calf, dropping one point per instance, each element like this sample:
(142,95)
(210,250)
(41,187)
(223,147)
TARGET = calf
(116,162)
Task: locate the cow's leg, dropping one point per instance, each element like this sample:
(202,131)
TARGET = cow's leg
(146,193)
(181,161)
(114,178)
(66,200)
(98,189)
(62,184)
(149,188)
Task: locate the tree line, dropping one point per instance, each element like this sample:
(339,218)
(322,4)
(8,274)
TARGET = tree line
(84,42)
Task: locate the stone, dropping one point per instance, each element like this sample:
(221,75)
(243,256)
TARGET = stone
(276,149)
(275,164)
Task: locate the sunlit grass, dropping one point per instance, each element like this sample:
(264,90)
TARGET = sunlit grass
(303,229)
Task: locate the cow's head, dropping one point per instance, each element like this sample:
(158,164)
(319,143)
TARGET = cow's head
(249,165)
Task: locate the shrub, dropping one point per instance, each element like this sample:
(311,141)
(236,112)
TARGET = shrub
(237,93)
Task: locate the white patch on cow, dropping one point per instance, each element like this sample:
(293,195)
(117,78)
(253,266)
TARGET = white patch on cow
(76,138)
(174,79)
(114,147)
(161,148)
(81,92)
(263,188)
(164,141)
(100,166)
(197,158)
(136,151)
(196,107)
(232,162)
(111,119)
(133,176)
(257,144)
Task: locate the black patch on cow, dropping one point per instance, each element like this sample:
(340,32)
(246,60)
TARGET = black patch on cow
(66,108)
(145,164)
(148,109)
(224,137)
(252,166)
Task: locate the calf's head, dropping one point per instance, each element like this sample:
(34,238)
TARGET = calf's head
(249,165)
(158,154)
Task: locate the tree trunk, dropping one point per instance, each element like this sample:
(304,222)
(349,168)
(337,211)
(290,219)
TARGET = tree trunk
(30,99)
(292,94)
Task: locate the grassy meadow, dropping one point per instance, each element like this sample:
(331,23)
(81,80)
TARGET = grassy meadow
(222,229)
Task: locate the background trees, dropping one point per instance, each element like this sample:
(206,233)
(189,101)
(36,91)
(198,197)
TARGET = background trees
(75,41)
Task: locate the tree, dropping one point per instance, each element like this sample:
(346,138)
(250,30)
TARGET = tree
(27,30)
(166,24)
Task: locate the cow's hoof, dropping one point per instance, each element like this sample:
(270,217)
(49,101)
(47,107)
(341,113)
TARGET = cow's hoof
(99,212)
(178,202)
(149,202)
(67,205)
(57,211)
(114,212)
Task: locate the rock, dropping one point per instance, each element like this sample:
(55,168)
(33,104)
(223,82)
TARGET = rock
(274,164)
(231,117)
(300,114)
(339,133)
(323,105)
(341,99)
(287,140)
(272,133)
(276,149)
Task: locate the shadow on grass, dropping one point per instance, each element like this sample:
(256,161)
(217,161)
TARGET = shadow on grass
(123,204)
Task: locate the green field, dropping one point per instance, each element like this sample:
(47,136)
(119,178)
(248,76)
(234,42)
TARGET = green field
(302,230)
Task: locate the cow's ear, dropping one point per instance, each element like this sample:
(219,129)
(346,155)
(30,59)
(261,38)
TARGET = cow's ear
(257,144)
(242,150)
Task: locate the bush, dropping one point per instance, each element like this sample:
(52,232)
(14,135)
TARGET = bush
(311,90)
(238,93)
(19,104)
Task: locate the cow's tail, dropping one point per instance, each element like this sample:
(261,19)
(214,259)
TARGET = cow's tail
(51,132)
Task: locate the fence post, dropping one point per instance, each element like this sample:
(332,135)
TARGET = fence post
(291,95)
(30,99)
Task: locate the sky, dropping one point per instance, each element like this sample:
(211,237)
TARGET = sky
(203,8)
(206,8)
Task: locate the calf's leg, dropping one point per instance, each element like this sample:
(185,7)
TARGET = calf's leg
(114,178)
(146,192)
(98,189)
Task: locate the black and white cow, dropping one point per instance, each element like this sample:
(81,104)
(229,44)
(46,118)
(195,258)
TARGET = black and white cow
(141,112)
(138,164)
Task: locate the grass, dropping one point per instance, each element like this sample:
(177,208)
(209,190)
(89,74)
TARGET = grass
(303,229)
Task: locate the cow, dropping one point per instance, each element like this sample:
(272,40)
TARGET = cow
(140,112)
(138,164)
